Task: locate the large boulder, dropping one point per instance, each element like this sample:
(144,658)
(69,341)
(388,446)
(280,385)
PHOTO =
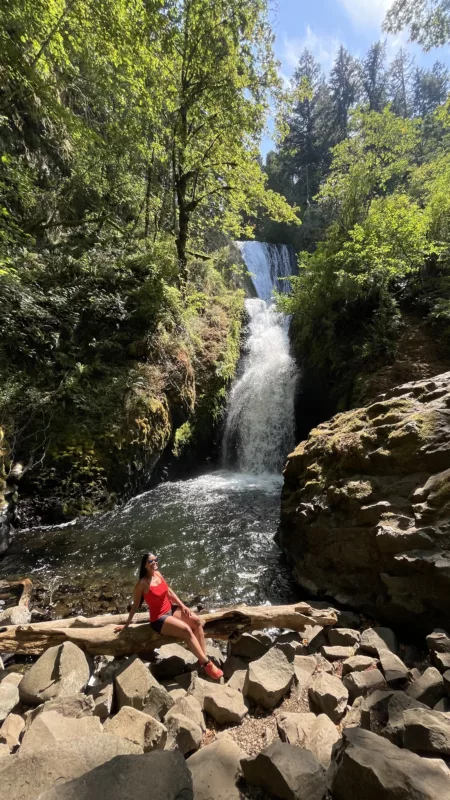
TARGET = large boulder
(50,727)
(137,727)
(172,660)
(269,678)
(249,647)
(317,734)
(329,695)
(59,672)
(216,769)
(183,733)
(138,688)
(225,705)
(9,697)
(25,776)
(361,683)
(384,713)
(365,506)
(158,775)
(426,731)
(191,708)
(75,705)
(429,688)
(367,766)
(287,772)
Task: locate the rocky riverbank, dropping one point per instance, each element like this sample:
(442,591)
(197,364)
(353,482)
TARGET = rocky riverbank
(365,506)
(311,716)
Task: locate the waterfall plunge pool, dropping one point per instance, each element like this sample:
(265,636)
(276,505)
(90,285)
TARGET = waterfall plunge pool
(213,535)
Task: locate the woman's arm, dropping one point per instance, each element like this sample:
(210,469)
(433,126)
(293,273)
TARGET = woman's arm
(137,597)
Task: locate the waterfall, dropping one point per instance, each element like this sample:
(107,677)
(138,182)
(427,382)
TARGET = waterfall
(259,430)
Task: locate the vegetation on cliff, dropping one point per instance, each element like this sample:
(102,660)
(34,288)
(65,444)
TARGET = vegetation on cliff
(128,131)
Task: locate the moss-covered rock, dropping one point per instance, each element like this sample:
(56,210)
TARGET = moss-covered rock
(365,512)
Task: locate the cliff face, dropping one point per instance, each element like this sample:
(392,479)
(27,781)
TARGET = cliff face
(365,515)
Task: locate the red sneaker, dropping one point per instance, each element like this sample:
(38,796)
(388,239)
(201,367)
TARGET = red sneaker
(214,672)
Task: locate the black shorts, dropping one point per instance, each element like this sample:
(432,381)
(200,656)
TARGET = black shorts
(158,623)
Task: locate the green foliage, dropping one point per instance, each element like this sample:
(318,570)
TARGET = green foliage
(428,21)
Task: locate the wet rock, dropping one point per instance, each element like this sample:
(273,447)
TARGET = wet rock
(360,683)
(394,670)
(9,697)
(249,647)
(429,688)
(357,664)
(329,694)
(11,730)
(336,652)
(183,733)
(165,772)
(343,637)
(173,659)
(216,769)
(287,772)
(49,728)
(375,639)
(137,687)
(269,678)
(426,731)
(367,766)
(60,672)
(139,728)
(58,764)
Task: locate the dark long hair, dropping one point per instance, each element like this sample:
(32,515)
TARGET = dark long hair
(143,567)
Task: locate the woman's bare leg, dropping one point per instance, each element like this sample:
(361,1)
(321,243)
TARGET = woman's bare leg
(195,624)
(175,627)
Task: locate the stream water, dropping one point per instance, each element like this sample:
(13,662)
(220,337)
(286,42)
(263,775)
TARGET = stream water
(213,533)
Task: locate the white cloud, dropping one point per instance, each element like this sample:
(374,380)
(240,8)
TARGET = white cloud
(366,13)
(324,49)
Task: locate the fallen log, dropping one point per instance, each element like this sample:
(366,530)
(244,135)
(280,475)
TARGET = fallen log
(97,637)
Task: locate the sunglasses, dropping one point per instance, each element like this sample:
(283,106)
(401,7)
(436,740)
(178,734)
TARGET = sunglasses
(152,560)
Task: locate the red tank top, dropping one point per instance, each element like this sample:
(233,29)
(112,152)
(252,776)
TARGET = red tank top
(157,599)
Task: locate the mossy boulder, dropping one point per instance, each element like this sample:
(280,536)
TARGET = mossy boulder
(365,515)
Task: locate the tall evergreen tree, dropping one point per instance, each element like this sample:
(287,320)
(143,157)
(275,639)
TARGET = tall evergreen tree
(400,79)
(374,76)
(345,88)
(431,88)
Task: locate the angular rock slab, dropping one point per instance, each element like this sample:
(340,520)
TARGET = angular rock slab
(225,705)
(429,688)
(375,639)
(49,728)
(330,695)
(357,664)
(139,728)
(317,734)
(11,730)
(191,708)
(216,769)
(24,776)
(269,678)
(183,733)
(343,637)
(394,670)
(59,672)
(426,731)
(361,683)
(384,713)
(153,776)
(9,697)
(287,772)
(138,688)
(173,659)
(367,767)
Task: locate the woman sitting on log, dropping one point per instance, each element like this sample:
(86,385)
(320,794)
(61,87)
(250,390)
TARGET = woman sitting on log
(168,615)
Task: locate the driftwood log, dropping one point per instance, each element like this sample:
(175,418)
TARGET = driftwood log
(96,635)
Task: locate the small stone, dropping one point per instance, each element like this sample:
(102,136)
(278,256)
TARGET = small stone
(9,697)
(441,661)
(304,668)
(191,708)
(103,697)
(438,641)
(225,705)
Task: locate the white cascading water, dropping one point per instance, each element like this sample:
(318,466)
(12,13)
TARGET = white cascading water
(260,426)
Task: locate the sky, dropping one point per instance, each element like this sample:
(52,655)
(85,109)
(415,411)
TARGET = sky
(322,25)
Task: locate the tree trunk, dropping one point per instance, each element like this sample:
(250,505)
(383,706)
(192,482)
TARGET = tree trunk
(97,637)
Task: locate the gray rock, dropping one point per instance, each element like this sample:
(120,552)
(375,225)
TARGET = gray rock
(443,706)
(232,665)
(183,733)
(75,705)
(225,704)
(191,708)
(13,678)
(375,639)
(360,683)
(317,734)
(394,670)
(139,728)
(426,731)
(314,638)
(103,697)
(357,664)
(446,680)
(293,640)
(9,697)
(163,774)
(11,730)
(329,694)
(237,680)
(352,716)
(50,727)
(216,769)
(367,766)
(343,637)
(294,727)
(429,688)
(336,652)
(54,766)
(438,641)
(173,659)
(383,713)
(287,772)
(59,672)
(16,615)
(249,647)
(4,750)
(323,736)
(138,688)
(269,678)
(441,661)
(304,669)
